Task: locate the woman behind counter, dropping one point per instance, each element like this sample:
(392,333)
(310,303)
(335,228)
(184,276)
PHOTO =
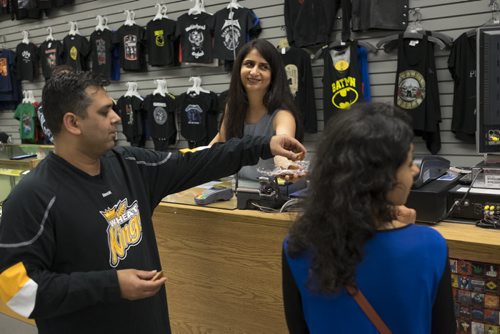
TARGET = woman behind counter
(350,235)
(259,102)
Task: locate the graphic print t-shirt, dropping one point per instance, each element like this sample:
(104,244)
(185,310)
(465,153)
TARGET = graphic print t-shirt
(195,32)
(232,29)
(160,111)
(101,44)
(160,36)
(50,54)
(25,113)
(131,40)
(26,61)
(76,50)
(132,118)
(198,116)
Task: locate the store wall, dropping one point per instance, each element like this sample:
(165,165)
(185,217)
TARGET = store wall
(448,16)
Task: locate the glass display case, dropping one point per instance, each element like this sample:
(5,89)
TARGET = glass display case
(16,161)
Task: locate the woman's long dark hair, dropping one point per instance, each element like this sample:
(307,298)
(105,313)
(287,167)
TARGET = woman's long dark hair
(278,95)
(354,168)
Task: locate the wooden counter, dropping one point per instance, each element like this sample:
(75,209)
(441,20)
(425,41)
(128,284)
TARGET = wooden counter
(224,266)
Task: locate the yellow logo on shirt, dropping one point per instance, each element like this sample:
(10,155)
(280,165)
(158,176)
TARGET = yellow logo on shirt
(124,229)
(345,93)
(73,53)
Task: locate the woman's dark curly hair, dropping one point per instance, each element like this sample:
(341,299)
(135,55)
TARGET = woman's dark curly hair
(354,168)
(277,97)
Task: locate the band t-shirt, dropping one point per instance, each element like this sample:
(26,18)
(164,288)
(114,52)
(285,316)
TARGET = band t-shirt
(198,116)
(132,119)
(160,36)
(232,29)
(76,50)
(50,54)
(101,44)
(131,40)
(26,61)
(160,111)
(195,32)
(299,73)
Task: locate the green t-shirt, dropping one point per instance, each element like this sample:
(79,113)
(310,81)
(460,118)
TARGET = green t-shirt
(25,113)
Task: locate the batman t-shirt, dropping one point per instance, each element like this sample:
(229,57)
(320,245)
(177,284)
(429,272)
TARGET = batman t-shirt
(342,84)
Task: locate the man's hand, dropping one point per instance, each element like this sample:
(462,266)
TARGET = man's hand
(405,215)
(138,284)
(288,147)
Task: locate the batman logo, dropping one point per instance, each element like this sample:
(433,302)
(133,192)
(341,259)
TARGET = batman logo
(345,98)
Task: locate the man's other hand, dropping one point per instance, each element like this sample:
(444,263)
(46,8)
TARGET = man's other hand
(138,284)
(288,147)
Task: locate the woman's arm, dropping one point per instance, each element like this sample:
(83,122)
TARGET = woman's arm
(284,124)
(221,135)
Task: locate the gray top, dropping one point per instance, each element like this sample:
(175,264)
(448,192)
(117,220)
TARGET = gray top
(264,127)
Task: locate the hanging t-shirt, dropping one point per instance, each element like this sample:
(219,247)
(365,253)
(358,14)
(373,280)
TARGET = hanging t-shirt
(380,14)
(10,87)
(462,66)
(342,84)
(232,29)
(25,113)
(365,77)
(26,61)
(195,32)
(198,116)
(131,40)
(101,44)
(299,73)
(76,50)
(50,54)
(47,134)
(132,118)
(160,116)
(417,90)
(160,36)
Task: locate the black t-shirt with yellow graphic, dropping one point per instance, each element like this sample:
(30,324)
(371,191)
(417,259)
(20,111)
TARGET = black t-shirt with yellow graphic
(342,84)
(160,37)
(76,50)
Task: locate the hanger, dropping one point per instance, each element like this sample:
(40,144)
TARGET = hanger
(26,39)
(132,90)
(49,37)
(417,27)
(234,4)
(161,87)
(31,97)
(164,11)
(196,88)
(73,30)
(100,23)
(197,8)
(129,21)
(159,12)
(25,97)
(3,41)
(283,45)
(407,35)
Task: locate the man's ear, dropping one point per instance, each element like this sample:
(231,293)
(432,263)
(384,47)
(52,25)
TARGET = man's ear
(71,123)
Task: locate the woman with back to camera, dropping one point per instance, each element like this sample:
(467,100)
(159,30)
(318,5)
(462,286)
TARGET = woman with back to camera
(350,235)
(259,102)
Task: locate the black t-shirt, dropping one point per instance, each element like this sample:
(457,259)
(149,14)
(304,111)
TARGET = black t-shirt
(76,50)
(462,66)
(195,32)
(26,61)
(342,85)
(198,115)
(160,111)
(299,73)
(132,118)
(131,40)
(232,29)
(101,44)
(417,89)
(160,36)
(50,54)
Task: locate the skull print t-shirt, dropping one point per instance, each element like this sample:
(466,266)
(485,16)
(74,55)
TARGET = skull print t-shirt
(195,32)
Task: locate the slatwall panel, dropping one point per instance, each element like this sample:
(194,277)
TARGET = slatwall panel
(447,16)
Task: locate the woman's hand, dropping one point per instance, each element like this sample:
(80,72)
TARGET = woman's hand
(405,215)
(287,147)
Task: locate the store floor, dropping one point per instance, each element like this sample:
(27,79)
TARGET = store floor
(10,325)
